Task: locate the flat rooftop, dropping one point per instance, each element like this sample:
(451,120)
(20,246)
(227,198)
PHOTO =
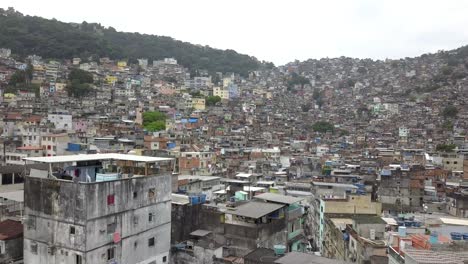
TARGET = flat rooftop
(304,258)
(198,177)
(343,185)
(254,209)
(278,198)
(91,157)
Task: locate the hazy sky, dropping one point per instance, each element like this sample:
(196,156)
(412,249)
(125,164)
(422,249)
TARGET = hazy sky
(279,31)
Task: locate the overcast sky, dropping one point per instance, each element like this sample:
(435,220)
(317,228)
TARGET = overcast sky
(279,31)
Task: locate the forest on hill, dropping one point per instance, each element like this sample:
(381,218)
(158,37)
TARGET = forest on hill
(49,38)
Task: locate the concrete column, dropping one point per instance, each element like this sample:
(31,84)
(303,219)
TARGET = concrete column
(13,178)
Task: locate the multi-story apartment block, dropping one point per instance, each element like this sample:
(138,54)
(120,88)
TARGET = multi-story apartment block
(98,208)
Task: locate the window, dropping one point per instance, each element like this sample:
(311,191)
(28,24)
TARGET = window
(110,199)
(150,217)
(72,230)
(135,195)
(151,242)
(111,228)
(151,193)
(164,259)
(110,253)
(34,248)
(78,259)
(31,223)
(455,162)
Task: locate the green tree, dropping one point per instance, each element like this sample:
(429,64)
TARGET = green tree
(344,132)
(447,70)
(212,100)
(362,70)
(296,79)
(195,93)
(26,35)
(450,111)
(445,147)
(316,94)
(81,76)
(351,82)
(79,83)
(323,127)
(156,126)
(154,121)
(305,108)
(18,77)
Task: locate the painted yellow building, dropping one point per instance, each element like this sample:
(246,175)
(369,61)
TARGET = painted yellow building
(9,97)
(60,87)
(223,93)
(227,81)
(122,64)
(198,103)
(111,79)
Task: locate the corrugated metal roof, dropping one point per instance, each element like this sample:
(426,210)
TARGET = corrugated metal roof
(278,198)
(254,209)
(10,229)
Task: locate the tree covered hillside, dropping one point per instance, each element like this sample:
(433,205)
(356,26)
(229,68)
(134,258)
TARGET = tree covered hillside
(26,35)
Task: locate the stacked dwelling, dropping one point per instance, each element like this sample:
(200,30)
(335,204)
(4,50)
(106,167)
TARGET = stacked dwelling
(98,208)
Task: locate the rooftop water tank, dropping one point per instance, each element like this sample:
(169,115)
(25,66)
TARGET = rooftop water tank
(456,236)
(402,231)
(279,249)
(434,238)
(465,236)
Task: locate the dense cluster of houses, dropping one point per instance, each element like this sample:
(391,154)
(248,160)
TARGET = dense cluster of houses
(362,163)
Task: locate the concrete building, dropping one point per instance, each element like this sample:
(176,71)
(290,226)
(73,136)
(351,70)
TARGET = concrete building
(98,208)
(221,92)
(55,144)
(348,205)
(61,121)
(453,162)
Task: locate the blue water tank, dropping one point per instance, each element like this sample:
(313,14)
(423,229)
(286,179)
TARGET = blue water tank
(456,236)
(194,200)
(279,249)
(465,236)
(434,238)
(202,198)
(345,236)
